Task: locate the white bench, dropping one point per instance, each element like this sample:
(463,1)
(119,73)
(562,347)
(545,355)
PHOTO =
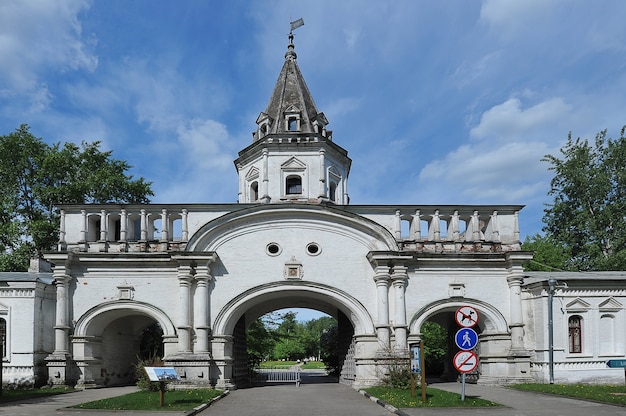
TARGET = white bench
(278,375)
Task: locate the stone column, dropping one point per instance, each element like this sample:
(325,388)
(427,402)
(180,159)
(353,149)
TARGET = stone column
(62,230)
(515,281)
(83,230)
(124,225)
(103,225)
(398,279)
(185,226)
(184,306)
(265,191)
(144,226)
(57,362)
(382,293)
(201,308)
(322,179)
(165,227)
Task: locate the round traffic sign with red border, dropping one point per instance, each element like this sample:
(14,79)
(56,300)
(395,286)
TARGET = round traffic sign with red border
(466,316)
(465,361)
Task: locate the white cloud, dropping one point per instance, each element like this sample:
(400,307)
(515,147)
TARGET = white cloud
(509,121)
(40,36)
(205,144)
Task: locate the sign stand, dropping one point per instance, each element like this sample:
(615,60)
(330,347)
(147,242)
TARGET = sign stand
(466,339)
(161,374)
(417,366)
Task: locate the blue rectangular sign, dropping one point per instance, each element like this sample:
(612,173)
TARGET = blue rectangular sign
(415,359)
(616,363)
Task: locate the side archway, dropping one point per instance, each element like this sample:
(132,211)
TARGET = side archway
(107,340)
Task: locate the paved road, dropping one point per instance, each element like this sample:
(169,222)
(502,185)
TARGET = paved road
(319,396)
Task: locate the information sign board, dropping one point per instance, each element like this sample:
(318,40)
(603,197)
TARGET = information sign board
(161,373)
(415,359)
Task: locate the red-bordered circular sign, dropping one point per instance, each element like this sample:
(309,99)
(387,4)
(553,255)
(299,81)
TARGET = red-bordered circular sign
(466,316)
(465,361)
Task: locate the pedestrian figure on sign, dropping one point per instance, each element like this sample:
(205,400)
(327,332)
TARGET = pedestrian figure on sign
(466,339)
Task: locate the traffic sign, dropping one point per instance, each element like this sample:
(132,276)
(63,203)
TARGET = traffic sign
(466,316)
(466,338)
(465,361)
(616,364)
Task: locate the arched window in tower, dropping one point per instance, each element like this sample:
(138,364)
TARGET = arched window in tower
(293,185)
(332,191)
(575,334)
(254,191)
(263,129)
(292,123)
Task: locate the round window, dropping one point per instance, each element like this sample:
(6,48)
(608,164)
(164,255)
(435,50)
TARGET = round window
(273,249)
(313,249)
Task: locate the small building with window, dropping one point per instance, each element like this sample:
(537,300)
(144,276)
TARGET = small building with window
(589,324)
(27,310)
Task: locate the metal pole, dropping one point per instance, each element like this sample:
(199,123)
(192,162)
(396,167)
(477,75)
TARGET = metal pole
(463,387)
(551,288)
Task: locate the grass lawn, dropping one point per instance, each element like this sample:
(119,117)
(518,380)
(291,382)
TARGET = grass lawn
(149,400)
(606,394)
(10,395)
(434,398)
(313,365)
(310,365)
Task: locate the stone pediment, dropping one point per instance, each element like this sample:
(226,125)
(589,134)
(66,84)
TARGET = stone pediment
(610,305)
(293,163)
(333,170)
(578,305)
(253,173)
(292,109)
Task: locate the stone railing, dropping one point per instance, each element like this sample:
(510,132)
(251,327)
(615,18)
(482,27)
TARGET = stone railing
(165,227)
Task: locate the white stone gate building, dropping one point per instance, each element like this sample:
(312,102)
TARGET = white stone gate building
(204,272)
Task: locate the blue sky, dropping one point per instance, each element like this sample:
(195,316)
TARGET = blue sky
(437,102)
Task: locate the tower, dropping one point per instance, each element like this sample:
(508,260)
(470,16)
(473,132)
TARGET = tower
(292,157)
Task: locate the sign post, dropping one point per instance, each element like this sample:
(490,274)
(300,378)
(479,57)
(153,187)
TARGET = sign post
(466,361)
(161,374)
(417,367)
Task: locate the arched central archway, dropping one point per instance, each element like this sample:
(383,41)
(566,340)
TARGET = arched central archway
(355,323)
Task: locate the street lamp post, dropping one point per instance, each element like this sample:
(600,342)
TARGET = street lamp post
(551,289)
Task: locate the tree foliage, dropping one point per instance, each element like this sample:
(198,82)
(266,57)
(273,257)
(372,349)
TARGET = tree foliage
(34,176)
(282,337)
(589,191)
(549,255)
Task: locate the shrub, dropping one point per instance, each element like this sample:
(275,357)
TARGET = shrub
(143,382)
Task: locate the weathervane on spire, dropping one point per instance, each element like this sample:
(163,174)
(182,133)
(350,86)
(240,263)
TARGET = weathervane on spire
(296,24)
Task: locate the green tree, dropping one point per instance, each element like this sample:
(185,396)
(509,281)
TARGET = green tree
(435,339)
(549,255)
(260,342)
(589,191)
(35,176)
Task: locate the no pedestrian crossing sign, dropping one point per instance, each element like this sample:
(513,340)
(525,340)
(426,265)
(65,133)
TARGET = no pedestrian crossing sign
(466,338)
(465,361)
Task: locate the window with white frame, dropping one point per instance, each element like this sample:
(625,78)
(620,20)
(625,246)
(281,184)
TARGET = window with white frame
(575,329)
